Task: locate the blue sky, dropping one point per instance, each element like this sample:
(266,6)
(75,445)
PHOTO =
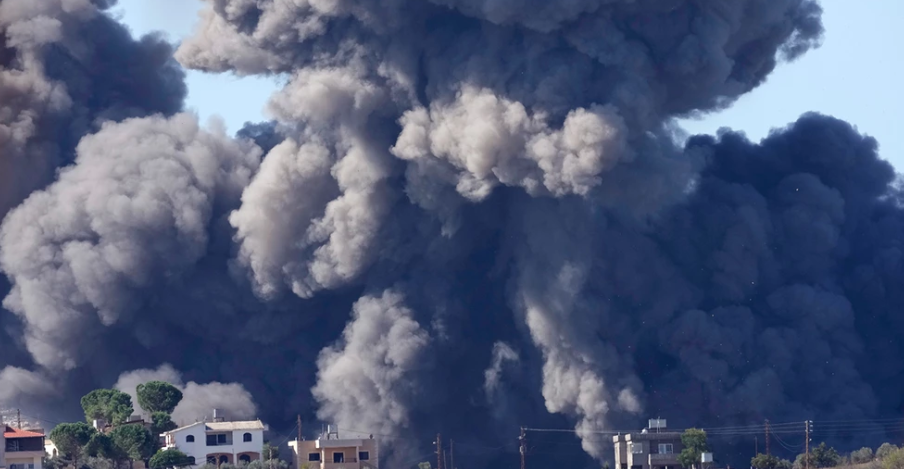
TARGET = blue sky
(855,76)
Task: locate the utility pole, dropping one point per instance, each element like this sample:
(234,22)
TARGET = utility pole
(439,451)
(807,442)
(767,437)
(452,451)
(298,445)
(18,419)
(756,445)
(522,439)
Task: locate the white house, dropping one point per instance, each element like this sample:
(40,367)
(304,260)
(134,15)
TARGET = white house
(218,442)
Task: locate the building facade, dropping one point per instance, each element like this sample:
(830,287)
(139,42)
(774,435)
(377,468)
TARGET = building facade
(646,450)
(332,452)
(218,442)
(22,449)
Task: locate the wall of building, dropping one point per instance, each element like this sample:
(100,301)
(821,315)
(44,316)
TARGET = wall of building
(199,450)
(2,450)
(24,460)
(641,450)
(350,448)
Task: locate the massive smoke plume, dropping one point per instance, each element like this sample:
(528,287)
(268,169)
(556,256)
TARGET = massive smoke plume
(466,216)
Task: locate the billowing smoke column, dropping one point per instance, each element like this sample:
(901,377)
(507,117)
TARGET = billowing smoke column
(468,216)
(64,68)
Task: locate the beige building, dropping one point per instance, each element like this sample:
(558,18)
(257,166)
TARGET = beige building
(22,449)
(332,452)
(647,450)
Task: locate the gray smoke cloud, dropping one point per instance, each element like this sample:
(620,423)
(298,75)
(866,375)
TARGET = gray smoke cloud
(65,67)
(369,379)
(198,400)
(586,121)
(468,216)
(132,212)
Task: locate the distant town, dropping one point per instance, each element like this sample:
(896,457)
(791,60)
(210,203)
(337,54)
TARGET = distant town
(114,436)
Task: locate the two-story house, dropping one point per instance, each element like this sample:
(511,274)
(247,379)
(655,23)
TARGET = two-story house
(332,452)
(22,449)
(218,442)
(647,450)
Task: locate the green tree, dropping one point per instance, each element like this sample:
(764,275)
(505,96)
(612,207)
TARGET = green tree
(820,456)
(158,396)
(161,422)
(894,459)
(424,465)
(100,463)
(70,438)
(763,461)
(862,455)
(269,452)
(101,446)
(694,441)
(134,442)
(885,450)
(53,463)
(271,464)
(169,458)
(111,405)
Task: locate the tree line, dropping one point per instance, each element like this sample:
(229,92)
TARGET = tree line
(822,456)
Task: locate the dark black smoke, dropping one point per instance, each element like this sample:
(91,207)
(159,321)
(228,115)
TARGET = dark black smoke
(466,216)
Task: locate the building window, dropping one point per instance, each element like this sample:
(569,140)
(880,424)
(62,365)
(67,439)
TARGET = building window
(338,457)
(190,439)
(636,448)
(224,459)
(665,448)
(12,445)
(314,457)
(364,455)
(245,458)
(31,466)
(246,437)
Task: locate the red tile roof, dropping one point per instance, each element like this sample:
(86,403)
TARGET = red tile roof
(11,432)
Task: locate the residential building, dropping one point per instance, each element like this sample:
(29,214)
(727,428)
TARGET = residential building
(333,452)
(22,449)
(219,441)
(647,449)
(50,449)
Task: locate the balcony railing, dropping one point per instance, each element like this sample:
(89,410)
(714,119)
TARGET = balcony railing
(663,457)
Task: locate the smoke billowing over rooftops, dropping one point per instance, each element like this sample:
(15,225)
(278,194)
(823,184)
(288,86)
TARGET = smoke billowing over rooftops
(466,216)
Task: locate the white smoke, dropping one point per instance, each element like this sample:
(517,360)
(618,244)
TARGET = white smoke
(487,140)
(198,400)
(367,380)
